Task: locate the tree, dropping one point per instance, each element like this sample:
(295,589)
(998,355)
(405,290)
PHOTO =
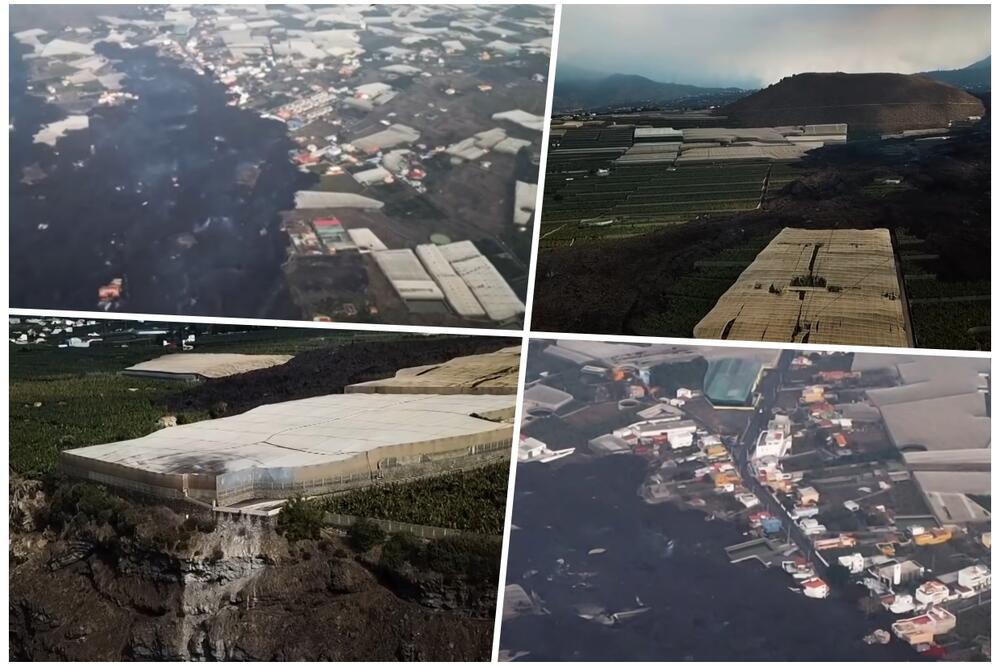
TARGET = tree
(365,534)
(300,519)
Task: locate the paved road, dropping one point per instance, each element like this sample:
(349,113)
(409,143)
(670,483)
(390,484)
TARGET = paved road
(767,394)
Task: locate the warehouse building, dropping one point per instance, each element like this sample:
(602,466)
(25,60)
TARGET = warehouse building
(938,417)
(730,381)
(313,446)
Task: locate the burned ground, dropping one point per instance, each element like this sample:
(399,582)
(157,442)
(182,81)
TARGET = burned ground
(325,371)
(625,286)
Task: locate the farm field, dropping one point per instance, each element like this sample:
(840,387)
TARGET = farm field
(952,324)
(52,413)
(472,501)
(945,314)
(580,206)
(690,297)
(62,398)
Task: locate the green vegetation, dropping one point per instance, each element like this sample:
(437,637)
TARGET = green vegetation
(952,324)
(643,198)
(365,534)
(689,298)
(471,501)
(679,314)
(474,558)
(76,504)
(916,289)
(945,314)
(300,519)
(93,513)
(69,398)
(50,414)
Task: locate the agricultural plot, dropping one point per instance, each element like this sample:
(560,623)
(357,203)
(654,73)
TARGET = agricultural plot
(472,501)
(50,414)
(782,174)
(692,296)
(581,206)
(55,393)
(945,314)
(952,324)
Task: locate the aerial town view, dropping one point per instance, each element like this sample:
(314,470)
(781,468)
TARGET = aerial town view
(678,502)
(351,163)
(829,190)
(213,492)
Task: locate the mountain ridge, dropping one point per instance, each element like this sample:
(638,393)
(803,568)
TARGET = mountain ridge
(586,92)
(878,102)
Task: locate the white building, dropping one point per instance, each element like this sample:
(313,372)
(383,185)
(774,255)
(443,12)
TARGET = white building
(678,434)
(932,592)
(772,446)
(815,588)
(855,562)
(975,577)
(899,603)
(530,448)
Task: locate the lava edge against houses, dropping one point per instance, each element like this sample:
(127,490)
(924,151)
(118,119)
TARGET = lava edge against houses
(789,401)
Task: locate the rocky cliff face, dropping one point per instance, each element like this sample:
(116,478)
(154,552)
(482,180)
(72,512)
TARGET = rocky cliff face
(238,592)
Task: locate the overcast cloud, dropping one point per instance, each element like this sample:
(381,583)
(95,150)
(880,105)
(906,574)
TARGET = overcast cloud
(751,46)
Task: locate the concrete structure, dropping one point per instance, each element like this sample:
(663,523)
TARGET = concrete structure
(975,577)
(375,176)
(772,446)
(308,199)
(530,449)
(312,446)
(922,629)
(522,118)
(932,592)
(495,373)
(524,202)
(194,365)
(837,286)
(678,434)
(815,588)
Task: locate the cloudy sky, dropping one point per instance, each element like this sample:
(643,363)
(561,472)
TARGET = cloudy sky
(751,46)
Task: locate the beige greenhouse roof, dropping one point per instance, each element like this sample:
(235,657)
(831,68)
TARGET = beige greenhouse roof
(860,303)
(496,372)
(210,366)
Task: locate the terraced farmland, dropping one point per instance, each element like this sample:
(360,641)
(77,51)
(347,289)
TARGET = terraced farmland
(580,206)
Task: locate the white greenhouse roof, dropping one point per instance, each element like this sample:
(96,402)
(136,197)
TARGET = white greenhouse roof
(312,431)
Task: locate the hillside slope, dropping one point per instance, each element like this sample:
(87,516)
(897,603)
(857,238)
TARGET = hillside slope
(621,90)
(868,103)
(974,77)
